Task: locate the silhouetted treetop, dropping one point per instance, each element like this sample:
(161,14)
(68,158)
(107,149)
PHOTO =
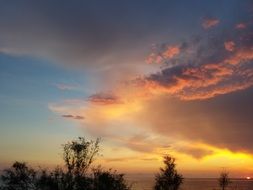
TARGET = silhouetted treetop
(168,178)
(79,154)
(224,180)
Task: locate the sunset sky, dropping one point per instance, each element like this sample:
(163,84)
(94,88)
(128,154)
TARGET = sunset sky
(147,77)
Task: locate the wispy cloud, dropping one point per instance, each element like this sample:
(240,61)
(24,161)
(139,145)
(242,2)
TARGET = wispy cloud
(78,117)
(161,54)
(229,45)
(208,23)
(64,86)
(240,26)
(104,98)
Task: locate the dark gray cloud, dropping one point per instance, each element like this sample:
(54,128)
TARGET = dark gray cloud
(78,32)
(224,121)
(203,67)
(197,153)
(78,117)
(104,33)
(104,99)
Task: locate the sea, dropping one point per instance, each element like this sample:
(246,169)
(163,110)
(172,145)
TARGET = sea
(147,183)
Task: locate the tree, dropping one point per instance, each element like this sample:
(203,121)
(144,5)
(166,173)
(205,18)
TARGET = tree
(168,178)
(18,177)
(78,155)
(224,180)
(109,180)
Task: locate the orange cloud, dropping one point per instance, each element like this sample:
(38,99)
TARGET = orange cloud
(204,81)
(240,56)
(153,58)
(163,54)
(187,82)
(171,51)
(210,22)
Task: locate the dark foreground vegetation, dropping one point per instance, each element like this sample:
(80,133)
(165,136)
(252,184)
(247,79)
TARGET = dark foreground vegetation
(78,174)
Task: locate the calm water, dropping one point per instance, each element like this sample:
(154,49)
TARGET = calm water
(146,183)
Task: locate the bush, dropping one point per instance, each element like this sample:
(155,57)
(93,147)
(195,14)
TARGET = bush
(109,180)
(18,177)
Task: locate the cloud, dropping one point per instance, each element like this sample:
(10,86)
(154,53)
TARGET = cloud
(195,152)
(78,117)
(189,82)
(223,122)
(90,38)
(229,45)
(104,99)
(123,159)
(141,143)
(171,51)
(208,23)
(161,54)
(68,116)
(240,26)
(63,86)
(206,67)
(133,158)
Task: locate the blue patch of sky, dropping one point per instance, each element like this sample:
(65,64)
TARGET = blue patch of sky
(26,88)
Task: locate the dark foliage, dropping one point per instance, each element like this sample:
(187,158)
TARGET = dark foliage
(78,156)
(18,177)
(168,178)
(109,180)
(53,180)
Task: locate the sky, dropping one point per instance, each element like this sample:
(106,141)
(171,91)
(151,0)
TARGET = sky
(147,77)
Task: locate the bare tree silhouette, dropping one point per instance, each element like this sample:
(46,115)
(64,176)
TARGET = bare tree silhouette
(224,180)
(78,155)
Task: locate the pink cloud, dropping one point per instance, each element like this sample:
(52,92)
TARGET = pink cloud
(240,26)
(162,55)
(171,51)
(229,45)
